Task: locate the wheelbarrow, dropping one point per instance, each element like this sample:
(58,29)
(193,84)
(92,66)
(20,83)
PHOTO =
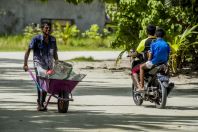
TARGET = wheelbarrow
(61,89)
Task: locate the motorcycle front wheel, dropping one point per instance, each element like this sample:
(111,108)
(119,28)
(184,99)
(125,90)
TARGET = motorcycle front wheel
(137,98)
(160,103)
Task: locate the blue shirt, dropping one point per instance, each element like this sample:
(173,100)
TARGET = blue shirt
(160,51)
(43,53)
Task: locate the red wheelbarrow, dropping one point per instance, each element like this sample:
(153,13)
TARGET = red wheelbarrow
(60,89)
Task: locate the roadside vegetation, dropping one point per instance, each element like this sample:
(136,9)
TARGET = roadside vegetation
(68,38)
(178,18)
(130,17)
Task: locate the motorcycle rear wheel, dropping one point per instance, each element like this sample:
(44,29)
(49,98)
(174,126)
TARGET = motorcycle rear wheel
(160,103)
(137,98)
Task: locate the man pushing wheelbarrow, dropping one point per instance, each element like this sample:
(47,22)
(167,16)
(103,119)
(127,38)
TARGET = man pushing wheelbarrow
(52,76)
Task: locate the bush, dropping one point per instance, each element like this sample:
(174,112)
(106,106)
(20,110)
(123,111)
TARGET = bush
(13,43)
(62,34)
(31,31)
(68,38)
(92,32)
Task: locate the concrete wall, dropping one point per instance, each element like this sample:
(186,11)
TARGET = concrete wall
(16,14)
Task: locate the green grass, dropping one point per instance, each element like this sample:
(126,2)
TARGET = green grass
(13,43)
(83,59)
(20,43)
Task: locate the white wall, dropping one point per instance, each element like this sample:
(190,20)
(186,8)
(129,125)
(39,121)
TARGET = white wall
(21,13)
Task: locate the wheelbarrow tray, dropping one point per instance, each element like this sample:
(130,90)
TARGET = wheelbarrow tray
(55,86)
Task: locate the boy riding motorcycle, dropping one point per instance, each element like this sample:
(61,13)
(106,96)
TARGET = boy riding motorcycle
(158,54)
(143,47)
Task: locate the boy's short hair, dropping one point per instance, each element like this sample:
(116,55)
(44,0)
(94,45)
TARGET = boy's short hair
(160,33)
(151,29)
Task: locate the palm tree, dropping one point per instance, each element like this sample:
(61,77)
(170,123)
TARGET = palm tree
(180,45)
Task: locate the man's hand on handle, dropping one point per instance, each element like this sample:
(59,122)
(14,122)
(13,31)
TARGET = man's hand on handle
(25,68)
(132,53)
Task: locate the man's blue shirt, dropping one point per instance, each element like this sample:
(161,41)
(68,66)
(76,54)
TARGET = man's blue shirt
(160,51)
(43,54)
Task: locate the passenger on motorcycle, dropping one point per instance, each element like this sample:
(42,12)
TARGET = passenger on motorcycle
(141,52)
(158,54)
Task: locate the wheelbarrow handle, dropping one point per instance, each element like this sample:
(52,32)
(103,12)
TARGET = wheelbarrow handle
(34,79)
(32,75)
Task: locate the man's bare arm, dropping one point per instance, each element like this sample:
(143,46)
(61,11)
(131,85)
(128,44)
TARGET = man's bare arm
(27,53)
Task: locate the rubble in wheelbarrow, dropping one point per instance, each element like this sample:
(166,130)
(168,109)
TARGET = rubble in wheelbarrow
(61,71)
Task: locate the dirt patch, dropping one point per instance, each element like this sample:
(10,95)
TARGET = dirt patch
(110,65)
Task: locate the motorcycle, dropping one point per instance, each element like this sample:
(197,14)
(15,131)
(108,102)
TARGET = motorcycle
(157,85)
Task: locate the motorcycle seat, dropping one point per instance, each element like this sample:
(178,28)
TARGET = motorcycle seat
(162,68)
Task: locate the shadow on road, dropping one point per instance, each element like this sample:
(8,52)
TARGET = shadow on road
(6,60)
(94,87)
(12,81)
(79,120)
(174,107)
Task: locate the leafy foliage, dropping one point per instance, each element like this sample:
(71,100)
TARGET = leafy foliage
(132,17)
(86,1)
(31,31)
(93,32)
(71,36)
(181,46)
(64,33)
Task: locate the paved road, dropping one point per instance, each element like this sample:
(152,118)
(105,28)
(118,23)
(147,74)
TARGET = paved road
(102,102)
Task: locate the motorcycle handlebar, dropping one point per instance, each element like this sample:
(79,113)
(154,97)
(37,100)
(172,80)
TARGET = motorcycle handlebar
(132,53)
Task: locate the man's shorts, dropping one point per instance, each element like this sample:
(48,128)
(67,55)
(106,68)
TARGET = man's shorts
(136,69)
(149,64)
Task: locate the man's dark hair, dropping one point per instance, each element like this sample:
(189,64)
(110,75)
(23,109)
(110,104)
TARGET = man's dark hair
(160,33)
(46,23)
(151,29)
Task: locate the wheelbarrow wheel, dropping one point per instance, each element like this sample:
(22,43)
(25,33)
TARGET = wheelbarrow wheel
(63,104)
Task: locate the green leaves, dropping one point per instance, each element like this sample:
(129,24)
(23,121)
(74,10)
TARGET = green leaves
(64,33)
(182,40)
(93,32)
(31,31)
(180,45)
(132,17)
